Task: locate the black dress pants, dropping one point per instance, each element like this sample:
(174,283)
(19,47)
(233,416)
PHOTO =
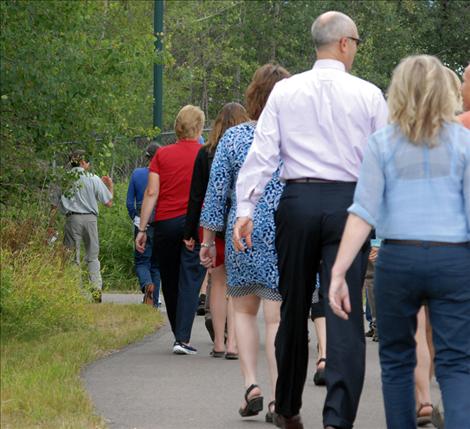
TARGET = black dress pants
(309,223)
(168,240)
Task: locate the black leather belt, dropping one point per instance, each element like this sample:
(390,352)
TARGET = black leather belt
(422,243)
(75,213)
(311,180)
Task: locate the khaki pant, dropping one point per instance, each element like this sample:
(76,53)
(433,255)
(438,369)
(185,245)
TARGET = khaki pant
(85,227)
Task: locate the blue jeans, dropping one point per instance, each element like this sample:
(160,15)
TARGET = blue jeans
(146,266)
(191,276)
(407,276)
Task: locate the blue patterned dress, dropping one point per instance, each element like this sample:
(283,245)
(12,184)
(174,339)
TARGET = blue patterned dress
(254,271)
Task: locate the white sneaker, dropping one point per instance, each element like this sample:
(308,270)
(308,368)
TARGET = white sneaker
(183,349)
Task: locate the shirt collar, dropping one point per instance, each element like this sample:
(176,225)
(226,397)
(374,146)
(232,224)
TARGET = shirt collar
(329,64)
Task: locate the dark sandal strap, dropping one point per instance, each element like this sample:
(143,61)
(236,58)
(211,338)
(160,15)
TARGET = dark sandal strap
(319,361)
(248,391)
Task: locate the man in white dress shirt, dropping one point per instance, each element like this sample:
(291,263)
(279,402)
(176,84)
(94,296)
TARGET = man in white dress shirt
(317,123)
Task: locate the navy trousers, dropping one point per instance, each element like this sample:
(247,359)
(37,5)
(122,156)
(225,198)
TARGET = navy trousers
(406,277)
(181,275)
(309,223)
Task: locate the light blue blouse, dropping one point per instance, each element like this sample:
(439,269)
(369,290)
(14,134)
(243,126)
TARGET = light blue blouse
(412,192)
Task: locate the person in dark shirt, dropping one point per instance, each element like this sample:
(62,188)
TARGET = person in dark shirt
(146,266)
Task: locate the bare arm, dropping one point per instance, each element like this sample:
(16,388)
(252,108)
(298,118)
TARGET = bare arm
(150,200)
(109,184)
(355,234)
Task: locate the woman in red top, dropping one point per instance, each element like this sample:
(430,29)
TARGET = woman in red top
(168,188)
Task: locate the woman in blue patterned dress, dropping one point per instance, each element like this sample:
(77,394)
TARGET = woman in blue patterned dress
(252,276)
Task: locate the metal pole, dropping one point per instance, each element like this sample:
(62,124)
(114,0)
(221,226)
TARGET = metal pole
(158,68)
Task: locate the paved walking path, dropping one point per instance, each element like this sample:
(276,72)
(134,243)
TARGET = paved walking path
(145,386)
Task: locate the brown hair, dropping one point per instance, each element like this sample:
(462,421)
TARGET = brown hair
(231,114)
(189,122)
(76,157)
(260,87)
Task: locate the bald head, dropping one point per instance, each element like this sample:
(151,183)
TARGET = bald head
(329,27)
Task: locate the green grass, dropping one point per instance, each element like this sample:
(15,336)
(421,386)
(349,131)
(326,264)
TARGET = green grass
(49,330)
(41,386)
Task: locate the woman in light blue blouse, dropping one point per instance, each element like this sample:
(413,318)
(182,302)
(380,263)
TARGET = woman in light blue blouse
(414,187)
(252,276)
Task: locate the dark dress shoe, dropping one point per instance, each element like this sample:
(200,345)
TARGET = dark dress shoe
(319,376)
(294,422)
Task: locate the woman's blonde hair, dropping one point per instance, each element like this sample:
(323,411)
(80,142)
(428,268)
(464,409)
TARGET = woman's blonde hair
(231,114)
(420,98)
(189,122)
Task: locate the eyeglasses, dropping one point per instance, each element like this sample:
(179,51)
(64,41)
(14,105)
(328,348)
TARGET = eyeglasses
(358,40)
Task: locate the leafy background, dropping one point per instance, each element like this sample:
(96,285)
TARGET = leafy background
(79,73)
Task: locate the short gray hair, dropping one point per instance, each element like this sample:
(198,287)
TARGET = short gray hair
(330,27)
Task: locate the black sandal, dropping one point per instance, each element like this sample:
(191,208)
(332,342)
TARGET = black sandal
(270,414)
(253,405)
(215,354)
(319,376)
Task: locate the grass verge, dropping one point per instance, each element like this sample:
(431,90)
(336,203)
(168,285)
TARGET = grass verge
(40,378)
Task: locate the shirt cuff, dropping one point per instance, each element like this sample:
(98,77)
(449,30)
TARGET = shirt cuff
(360,211)
(245,210)
(212,227)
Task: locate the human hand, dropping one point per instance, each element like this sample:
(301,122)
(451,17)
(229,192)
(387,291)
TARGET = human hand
(107,181)
(242,229)
(339,297)
(374,252)
(140,241)
(207,255)
(189,244)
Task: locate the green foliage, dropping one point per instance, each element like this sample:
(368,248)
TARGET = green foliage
(82,71)
(39,288)
(116,233)
(215,45)
(71,71)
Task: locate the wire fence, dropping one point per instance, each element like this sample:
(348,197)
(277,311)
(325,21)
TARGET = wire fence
(126,154)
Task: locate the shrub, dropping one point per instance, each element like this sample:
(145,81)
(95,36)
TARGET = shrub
(40,290)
